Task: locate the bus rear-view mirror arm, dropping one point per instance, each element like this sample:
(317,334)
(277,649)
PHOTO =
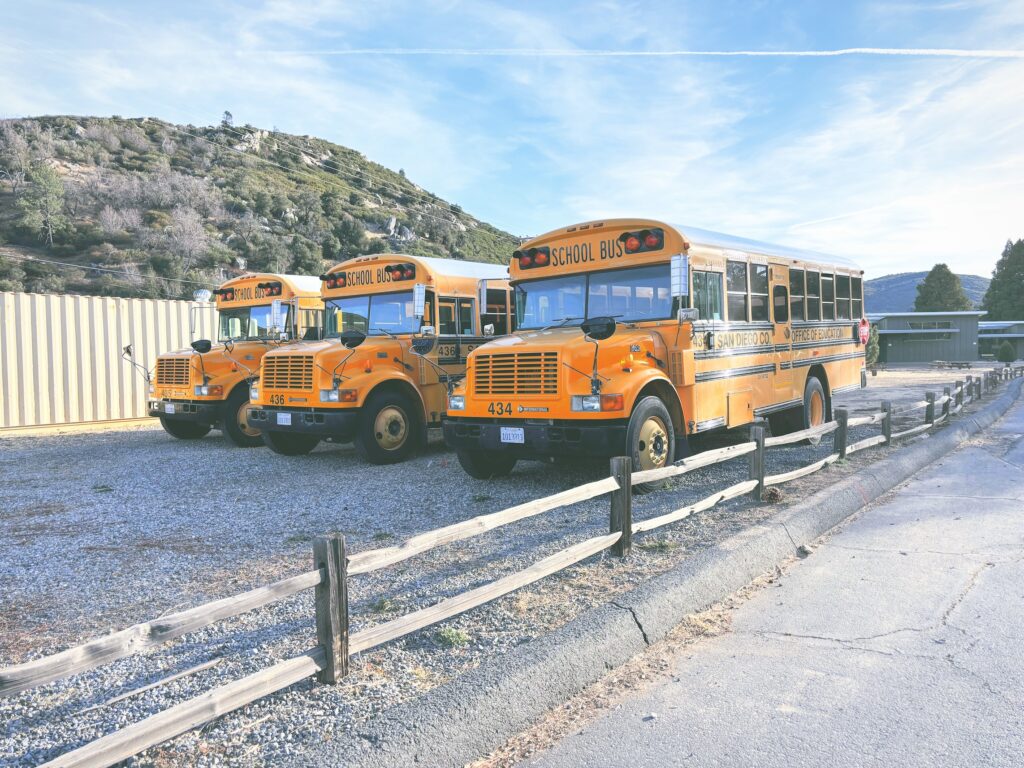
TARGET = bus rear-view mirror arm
(128,355)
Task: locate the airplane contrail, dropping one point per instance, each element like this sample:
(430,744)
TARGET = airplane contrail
(959,53)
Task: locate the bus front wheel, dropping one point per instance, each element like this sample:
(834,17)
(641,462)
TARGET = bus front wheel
(483,465)
(389,428)
(288,444)
(815,406)
(184,430)
(235,426)
(650,439)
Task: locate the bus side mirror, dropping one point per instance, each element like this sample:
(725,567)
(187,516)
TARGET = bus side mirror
(679,275)
(599,328)
(423,345)
(351,339)
(688,314)
(202,346)
(427,330)
(419,300)
(489,329)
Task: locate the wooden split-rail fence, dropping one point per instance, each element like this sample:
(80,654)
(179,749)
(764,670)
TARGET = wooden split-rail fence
(333,566)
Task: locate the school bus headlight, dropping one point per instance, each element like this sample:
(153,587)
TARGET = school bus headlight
(339,395)
(152,389)
(254,392)
(597,403)
(205,390)
(457,403)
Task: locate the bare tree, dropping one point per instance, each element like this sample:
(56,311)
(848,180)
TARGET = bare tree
(186,235)
(110,220)
(15,156)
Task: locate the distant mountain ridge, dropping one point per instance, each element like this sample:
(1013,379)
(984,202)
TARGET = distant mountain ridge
(896,293)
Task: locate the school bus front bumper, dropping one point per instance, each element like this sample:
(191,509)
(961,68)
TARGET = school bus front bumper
(598,439)
(338,423)
(200,412)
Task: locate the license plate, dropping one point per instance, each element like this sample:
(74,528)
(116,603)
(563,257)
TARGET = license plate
(284,419)
(168,407)
(513,435)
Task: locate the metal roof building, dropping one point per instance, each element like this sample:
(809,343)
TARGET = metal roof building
(924,337)
(992,333)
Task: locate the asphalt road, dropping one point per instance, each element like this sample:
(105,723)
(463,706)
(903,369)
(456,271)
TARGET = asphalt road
(896,642)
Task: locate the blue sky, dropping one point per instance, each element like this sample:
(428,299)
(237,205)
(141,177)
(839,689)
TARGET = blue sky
(895,161)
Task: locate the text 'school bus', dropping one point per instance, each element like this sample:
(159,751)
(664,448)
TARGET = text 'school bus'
(207,386)
(633,334)
(364,382)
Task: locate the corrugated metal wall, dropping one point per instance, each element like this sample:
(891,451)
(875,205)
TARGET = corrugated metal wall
(60,356)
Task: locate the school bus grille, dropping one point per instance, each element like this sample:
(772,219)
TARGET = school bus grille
(516,373)
(172,371)
(287,372)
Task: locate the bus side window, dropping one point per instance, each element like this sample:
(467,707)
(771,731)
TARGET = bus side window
(707,295)
(796,294)
(780,298)
(736,285)
(842,297)
(813,296)
(858,298)
(467,317)
(496,311)
(759,292)
(828,297)
(446,325)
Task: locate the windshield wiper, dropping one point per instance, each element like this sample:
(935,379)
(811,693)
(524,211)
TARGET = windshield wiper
(386,333)
(561,322)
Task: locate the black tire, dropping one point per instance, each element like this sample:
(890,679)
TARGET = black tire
(390,428)
(784,422)
(184,430)
(815,409)
(484,465)
(650,439)
(289,444)
(233,423)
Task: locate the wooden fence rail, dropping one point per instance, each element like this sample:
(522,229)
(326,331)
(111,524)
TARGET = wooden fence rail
(332,568)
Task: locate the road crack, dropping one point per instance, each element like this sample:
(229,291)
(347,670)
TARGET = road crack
(636,619)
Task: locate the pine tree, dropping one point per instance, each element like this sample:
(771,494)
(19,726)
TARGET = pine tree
(1004,299)
(42,204)
(872,349)
(941,291)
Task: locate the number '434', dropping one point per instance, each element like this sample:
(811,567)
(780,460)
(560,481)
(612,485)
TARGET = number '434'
(499,409)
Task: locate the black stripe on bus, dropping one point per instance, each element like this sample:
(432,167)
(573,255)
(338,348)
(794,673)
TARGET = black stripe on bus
(729,373)
(777,407)
(827,359)
(704,426)
(823,343)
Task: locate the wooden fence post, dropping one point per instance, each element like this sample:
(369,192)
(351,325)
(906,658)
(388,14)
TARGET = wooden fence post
(332,606)
(887,421)
(621,520)
(978,388)
(757,461)
(945,403)
(959,392)
(929,410)
(841,438)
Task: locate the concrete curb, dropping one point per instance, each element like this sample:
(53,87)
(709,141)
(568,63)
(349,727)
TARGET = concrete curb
(462,720)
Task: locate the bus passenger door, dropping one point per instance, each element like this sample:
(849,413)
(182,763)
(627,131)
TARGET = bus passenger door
(782,332)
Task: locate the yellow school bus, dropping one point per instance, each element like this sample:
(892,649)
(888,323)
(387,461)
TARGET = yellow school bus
(397,332)
(207,386)
(633,334)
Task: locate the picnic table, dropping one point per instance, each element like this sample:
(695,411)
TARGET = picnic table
(951,364)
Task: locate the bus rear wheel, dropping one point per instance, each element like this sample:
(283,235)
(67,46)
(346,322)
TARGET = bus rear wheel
(483,465)
(389,428)
(235,426)
(288,444)
(650,439)
(815,411)
(184,430)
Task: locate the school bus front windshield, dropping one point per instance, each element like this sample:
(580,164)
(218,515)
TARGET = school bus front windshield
(377,314)
(252,323)
(630,295)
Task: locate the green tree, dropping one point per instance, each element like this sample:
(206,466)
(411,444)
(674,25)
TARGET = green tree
(941,291)
(872,350)
(331,203)
(42,204)
(1004,299)
(306,258)
(1006,353)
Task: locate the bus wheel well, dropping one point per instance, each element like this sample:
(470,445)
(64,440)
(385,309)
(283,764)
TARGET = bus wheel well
(664,391)
(818,372)
(402,388)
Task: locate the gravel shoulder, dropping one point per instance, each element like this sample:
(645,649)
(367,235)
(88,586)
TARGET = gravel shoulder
(100,531)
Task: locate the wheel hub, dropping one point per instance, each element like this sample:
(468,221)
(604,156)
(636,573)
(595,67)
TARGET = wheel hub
(391,428)
(653,444)
(243,424)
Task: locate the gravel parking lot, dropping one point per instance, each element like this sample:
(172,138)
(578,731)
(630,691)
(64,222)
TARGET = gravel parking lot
(98,531)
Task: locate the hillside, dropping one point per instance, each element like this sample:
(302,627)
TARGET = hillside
(141,207)
(896,293)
